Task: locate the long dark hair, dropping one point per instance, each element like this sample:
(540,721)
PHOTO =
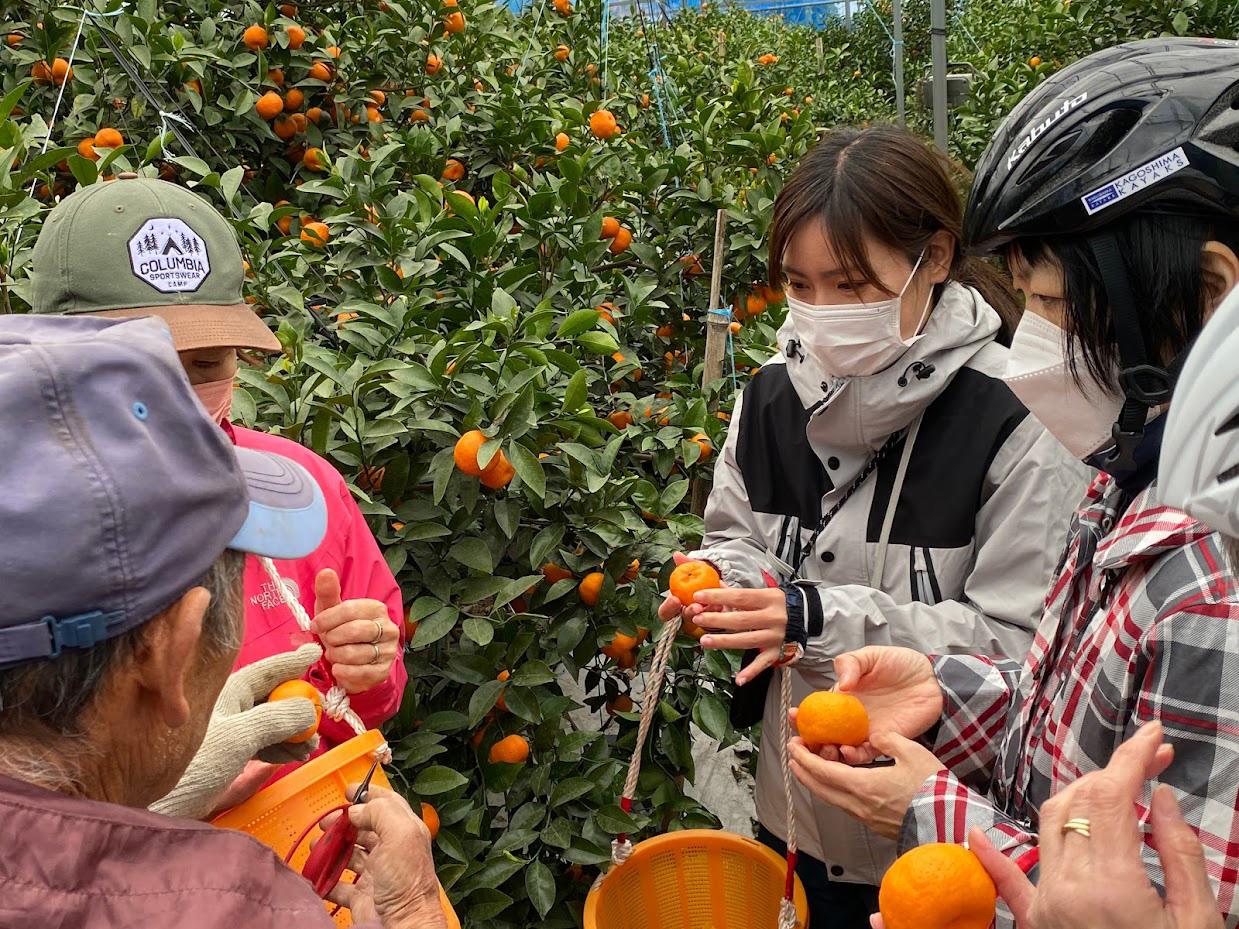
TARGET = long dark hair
(1163,260)
(885,184)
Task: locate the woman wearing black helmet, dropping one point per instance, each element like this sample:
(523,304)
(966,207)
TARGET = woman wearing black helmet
(1113,190)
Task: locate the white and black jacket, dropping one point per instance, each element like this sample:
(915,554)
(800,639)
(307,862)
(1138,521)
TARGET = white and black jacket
(976,530)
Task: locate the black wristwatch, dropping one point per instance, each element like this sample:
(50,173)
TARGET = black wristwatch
(796,630)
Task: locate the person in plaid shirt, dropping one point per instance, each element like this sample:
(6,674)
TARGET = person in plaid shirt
(1129,159)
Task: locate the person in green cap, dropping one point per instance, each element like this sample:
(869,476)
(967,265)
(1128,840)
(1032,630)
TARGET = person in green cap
(139,246)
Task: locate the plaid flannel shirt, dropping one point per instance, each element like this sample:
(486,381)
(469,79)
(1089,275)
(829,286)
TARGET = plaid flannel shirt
(1142,623)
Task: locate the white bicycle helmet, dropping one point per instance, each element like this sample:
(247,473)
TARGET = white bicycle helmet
(1199,470)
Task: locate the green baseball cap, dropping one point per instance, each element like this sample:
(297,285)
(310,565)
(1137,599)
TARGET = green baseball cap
(138,246)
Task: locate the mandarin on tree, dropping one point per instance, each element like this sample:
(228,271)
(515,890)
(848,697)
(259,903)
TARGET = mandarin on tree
(590,588)
(453,170)
(513,749)
(498,473)
(61,71)
(296,37)
(333,51)
(603,125)
(830,718)
(562,141)
(620,419)
(554,573)
(454,23)
(315,234)
(294,99)
(610,227)
(276,76)
(620,704)
(109,138)
(620,644)
(430,816)
(562,53)
(269,105)
(285,127)
(86,148)
(621,242)
(433,64)
(292,689)
(703,442)
(465,454)
(255,38)
(320,71)
(937,886)
(314,159)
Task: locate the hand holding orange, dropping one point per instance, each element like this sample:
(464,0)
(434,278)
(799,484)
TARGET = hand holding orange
(292,689)
(937,886)
(830,718)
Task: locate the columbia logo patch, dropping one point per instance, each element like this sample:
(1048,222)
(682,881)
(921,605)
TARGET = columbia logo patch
(169,255)
(1120,189)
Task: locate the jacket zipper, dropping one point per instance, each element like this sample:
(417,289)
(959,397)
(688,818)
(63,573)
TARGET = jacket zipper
(925,588)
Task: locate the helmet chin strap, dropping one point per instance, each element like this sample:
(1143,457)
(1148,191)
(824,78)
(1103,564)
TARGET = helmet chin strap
(1145,386)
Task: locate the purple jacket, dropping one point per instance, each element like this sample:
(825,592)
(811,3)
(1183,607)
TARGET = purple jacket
(71,863)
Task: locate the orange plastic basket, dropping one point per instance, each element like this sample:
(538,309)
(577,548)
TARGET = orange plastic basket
(279,813)
(694,879)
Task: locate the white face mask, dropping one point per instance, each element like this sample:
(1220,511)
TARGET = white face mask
(855,339)
(1039,374)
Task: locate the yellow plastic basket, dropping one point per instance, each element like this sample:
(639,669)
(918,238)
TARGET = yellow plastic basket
(694,879)
(278,814)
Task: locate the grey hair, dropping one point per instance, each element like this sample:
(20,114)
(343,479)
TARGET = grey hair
(49,699)
(1230,545)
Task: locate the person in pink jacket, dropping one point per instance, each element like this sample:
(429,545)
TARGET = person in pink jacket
(185,267)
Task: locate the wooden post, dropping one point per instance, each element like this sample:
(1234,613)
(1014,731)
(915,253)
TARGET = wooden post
(722,45)
(717,328)
(821,53)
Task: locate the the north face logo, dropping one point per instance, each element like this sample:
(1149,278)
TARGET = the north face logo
(169,255)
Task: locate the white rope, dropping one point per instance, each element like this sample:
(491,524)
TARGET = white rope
(335,701)
(787,909)
(653,693)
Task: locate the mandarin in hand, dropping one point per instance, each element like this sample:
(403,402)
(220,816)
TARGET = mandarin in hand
(691,577)
(292,689)
(830,718)
(937,886)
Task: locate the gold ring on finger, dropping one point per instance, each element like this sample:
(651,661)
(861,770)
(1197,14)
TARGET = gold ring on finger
(1079,825)
(378,632)
(375,659)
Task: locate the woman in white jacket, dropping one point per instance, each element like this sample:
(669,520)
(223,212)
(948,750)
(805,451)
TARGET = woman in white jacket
(878,469)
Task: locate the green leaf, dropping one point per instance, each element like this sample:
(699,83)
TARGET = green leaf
(574,394)
(1181,23)
(474,554)
(540,885)
(483,701)
(571,789)
(545,542)
(230,182)
(710,714)
(435,627)
(577,323)
(529,468)
(533,673)
(437,780)
(479,630)
(613,820)
(598,343)
(11,99)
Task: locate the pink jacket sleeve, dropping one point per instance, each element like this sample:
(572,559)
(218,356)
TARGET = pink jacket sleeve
(364,575)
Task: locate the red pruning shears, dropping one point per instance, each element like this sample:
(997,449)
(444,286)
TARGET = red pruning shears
(331,853)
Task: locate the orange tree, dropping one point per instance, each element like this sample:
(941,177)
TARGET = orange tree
(445,242)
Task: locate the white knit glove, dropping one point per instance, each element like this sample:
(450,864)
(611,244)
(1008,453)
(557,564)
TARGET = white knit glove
(243,727)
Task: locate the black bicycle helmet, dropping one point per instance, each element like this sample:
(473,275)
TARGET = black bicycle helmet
(1154,122)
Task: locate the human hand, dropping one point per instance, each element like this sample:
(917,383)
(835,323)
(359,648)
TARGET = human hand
(900,692)
(877,797)
(359,638)
(243,726)
(396,881)
(748,618)
(1100,882)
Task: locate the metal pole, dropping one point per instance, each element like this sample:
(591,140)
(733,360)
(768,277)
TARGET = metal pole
(897,54)
(847,14)
(937,28)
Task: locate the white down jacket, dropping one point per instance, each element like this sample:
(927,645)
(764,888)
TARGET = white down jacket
(974,532)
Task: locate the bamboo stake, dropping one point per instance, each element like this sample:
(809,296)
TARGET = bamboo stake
(717,328)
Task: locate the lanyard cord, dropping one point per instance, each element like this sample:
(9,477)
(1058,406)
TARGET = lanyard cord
(870,466)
